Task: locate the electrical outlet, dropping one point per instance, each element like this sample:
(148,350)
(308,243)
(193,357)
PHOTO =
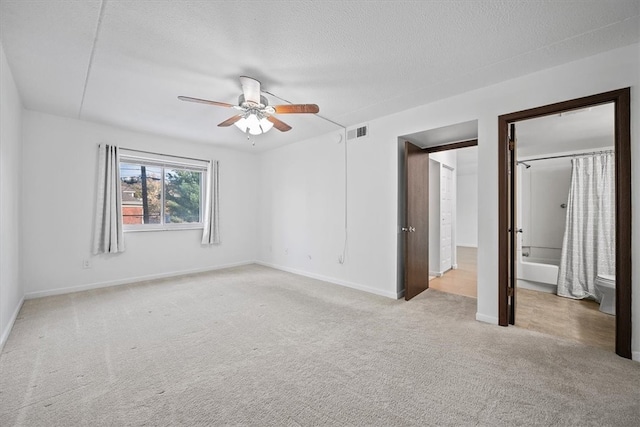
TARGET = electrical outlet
(86,263)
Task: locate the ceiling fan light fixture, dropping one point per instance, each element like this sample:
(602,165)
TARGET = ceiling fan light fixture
(242,124)
(255,115)
(253,124)
(265,124)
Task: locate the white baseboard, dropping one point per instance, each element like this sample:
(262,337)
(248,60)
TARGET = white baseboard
(436,273)
(467,245)
(486,319)
(333,280)
(635,356)
(5,334)
(129,280)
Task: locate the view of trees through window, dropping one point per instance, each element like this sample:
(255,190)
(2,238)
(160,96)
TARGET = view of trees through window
(160,195)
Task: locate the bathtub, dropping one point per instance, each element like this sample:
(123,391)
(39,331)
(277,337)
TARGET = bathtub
(539,270)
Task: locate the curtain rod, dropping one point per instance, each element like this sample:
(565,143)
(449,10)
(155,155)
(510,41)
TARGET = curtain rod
(168,155)
(568,155)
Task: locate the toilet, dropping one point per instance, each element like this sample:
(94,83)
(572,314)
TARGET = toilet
(606,284)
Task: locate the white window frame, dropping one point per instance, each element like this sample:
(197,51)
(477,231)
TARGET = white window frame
(169,162)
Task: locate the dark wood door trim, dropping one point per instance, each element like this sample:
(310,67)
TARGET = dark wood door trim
(452,146)
(622,101)
(513,239)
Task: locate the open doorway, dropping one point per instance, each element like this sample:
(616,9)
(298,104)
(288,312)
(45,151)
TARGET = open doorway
(517,250)
(453,221)
(427,211)
(566,225)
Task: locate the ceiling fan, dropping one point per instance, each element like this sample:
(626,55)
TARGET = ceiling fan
(255,114)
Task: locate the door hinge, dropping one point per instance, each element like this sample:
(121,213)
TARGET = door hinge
(511,145)
(509,292)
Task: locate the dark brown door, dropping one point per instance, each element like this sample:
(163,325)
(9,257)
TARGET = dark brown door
(513,225)
(416,226)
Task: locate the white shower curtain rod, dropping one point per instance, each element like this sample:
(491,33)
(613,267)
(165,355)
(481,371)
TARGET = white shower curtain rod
(568,155)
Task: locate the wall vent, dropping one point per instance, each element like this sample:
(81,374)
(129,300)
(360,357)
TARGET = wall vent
(357,133)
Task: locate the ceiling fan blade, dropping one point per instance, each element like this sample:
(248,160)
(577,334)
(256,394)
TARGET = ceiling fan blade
(296,108)
(230,120)
(205,101)
(279,124)
(250,89)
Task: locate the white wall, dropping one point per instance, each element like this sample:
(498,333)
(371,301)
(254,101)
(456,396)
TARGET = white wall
(11,290)
(545,187)
(448,157)
(467,209)
(372,259)
(59,181)
(301,208)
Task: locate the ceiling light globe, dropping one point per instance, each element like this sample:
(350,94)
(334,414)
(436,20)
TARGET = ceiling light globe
(242,124)
(252,121)
(265,124)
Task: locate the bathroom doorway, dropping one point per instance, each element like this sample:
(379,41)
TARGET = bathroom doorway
(564,203)
(519,245)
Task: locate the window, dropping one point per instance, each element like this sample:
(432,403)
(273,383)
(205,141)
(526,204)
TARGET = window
(161,193)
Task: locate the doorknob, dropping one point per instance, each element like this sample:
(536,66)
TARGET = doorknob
(519,230)
(411,229)
(405,229)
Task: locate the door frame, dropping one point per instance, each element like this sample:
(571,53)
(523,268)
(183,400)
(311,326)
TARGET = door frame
(452,146)
(447,147)
(426,151)
(621,99)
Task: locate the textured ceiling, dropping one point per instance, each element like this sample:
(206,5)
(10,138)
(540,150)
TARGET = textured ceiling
(124,62)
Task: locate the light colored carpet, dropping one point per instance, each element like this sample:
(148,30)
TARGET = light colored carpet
(256,346)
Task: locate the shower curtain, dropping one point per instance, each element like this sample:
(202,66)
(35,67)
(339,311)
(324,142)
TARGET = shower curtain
(588,247)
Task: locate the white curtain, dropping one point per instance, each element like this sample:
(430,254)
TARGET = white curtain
(588,248)
(107,236)
(211,232)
